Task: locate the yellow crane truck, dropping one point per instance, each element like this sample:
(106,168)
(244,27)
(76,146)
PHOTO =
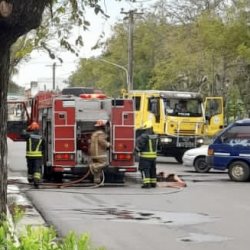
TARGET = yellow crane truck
(181,119)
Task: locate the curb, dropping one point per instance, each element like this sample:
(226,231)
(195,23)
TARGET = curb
(31,216)
(12,227)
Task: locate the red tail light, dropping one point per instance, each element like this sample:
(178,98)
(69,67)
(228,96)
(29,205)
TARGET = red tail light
(93,96)
(123,157)
(131,169)
(64,157)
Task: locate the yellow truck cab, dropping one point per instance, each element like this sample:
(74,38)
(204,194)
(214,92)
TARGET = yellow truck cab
(178,118)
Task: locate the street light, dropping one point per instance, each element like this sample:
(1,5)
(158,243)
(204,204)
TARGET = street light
(121,67)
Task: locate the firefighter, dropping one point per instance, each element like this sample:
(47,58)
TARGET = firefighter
(98,150)
(146,146)
(181,107)
(34,153)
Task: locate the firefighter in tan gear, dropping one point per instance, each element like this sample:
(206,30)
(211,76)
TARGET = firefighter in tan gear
(34,153)
(99,150)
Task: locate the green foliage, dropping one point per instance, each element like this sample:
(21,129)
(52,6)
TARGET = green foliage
(18,213)
(15,210)
(56,32)
(44,238)
(235,108)
(3,235)
(99,74)
(73,241)
(20,51)
(39,238)
(185,45)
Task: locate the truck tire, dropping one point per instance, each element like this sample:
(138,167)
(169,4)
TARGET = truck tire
(178,158)
(200,165)
(239,171)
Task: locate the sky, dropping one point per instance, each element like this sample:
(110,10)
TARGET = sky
(39,67)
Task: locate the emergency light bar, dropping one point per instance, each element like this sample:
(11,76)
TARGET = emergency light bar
(93,96)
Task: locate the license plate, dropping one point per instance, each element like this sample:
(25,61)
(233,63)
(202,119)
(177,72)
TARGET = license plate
(185,144)
(67,169)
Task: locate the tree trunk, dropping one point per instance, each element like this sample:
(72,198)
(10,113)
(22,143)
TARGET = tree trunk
(21,17)
(4,80)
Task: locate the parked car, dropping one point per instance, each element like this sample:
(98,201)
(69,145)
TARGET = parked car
(230,151)
(196,157)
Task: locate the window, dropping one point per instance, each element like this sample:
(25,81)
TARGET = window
(181,107)
(237,135)
(154,107)
(137,102)
(77,91)
(213,107)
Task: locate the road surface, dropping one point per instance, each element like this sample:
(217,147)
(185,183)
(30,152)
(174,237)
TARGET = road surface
(211,213)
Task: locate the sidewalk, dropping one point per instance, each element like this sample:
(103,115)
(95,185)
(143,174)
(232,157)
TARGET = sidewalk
(16,198)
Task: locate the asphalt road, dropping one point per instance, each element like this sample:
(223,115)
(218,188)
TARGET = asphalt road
(211,213)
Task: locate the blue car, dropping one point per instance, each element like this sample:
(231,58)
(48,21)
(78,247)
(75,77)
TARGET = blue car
(231,150)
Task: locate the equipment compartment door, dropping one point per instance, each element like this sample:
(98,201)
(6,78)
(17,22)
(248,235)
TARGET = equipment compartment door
(123,132)
(64,132)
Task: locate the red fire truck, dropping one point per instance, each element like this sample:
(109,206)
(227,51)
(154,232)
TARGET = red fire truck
(66,123)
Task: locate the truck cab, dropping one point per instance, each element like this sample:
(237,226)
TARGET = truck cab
(230,151)
(180,119)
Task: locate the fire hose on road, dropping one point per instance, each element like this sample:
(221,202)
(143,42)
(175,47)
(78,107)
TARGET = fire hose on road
(163,180)
(63,185)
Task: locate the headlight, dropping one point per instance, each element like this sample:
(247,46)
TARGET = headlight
(166,140)
(200,141)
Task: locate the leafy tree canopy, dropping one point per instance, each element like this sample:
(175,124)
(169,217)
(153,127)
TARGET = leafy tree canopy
(182,45)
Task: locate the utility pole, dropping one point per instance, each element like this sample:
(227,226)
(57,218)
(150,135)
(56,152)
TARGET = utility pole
(130,16)
(54,65)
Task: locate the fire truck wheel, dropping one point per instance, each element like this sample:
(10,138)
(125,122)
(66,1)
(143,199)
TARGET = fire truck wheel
(200,165)
(239,171)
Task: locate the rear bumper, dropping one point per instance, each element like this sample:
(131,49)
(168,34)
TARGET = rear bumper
(82,170)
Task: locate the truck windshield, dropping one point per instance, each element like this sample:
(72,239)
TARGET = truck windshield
(183,107)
